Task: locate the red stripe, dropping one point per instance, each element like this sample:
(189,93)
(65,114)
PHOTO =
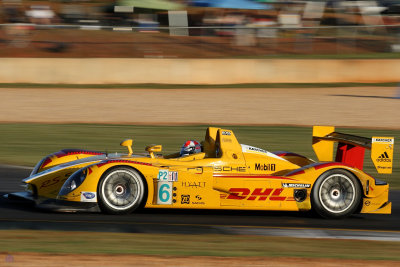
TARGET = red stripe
(67,152)
(46,162)
(123,161)
(323,165)
(252,176)
(288,154)
(297,172)
(370,187)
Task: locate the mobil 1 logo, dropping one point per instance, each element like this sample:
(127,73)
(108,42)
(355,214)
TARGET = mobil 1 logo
(264,167)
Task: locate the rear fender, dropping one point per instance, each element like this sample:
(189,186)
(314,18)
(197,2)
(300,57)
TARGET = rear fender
(294,158)
(375,197)
(311,173)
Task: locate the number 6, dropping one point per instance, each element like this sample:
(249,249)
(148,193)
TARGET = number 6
(163,193)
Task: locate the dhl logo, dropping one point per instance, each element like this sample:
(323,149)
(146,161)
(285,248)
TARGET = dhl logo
(259,194)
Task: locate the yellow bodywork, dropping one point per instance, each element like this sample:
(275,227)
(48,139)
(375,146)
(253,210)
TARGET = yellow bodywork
(226,175)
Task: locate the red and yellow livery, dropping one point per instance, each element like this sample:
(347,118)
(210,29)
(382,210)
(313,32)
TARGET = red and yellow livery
(225,175)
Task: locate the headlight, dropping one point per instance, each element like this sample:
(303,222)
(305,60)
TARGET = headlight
(74,181)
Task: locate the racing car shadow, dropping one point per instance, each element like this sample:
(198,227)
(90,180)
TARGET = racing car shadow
(15,205)
(173,215)
(227,212)
(20,215)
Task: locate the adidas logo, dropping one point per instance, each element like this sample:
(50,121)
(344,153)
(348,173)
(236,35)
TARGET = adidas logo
(384,158)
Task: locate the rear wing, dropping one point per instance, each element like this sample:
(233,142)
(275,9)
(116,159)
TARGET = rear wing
(351,148)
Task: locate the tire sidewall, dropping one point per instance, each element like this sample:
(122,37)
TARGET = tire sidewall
(318,207)
(104,206)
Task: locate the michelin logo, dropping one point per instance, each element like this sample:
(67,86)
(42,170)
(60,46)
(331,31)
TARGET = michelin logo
(293,185)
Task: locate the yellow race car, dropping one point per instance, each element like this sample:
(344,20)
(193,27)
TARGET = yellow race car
(223,175)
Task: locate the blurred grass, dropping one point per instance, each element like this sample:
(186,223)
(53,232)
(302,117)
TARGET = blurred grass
(194,86)
(193,245)
(26,144)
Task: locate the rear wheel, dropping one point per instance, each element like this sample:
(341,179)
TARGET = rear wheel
(121,190)
(336,194)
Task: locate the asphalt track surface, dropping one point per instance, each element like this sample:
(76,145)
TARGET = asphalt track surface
(365,226)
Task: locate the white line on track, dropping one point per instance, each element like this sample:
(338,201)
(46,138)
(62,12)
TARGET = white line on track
(316,233)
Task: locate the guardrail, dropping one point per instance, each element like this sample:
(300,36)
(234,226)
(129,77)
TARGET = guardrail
(107,27)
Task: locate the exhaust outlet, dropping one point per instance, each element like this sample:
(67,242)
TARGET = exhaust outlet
(300,194)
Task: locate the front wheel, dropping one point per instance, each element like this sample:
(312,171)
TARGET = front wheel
(336,194)
(121,190)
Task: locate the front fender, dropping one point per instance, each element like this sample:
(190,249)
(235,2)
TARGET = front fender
(63,156)
(95,172)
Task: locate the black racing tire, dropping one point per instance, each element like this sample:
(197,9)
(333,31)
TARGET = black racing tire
(336,194)
(121,190)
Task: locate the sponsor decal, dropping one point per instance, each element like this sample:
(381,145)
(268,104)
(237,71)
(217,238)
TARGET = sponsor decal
(54,181)
(367,203)
(226,140)
(383,140)
(380,167)
(229,169)
(384,158)
(185,199)
(173,176)
(165,175)
(197,201)
(256,149)
(264,167)
(88,197)
(194,184)
(226,133)
(294,185)
(252,149)
(259,194)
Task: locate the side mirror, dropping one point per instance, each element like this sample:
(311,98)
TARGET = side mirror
(153,148)
(127,143)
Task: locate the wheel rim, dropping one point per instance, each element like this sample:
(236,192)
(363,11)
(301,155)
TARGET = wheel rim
(337,193)
(121,189)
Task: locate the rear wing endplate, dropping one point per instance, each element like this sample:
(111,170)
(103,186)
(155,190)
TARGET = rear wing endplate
(351,148)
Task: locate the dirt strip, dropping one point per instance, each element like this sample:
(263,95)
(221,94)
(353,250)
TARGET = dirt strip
(67,260)
(356,107)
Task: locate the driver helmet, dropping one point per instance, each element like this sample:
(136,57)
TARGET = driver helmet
(190,147)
